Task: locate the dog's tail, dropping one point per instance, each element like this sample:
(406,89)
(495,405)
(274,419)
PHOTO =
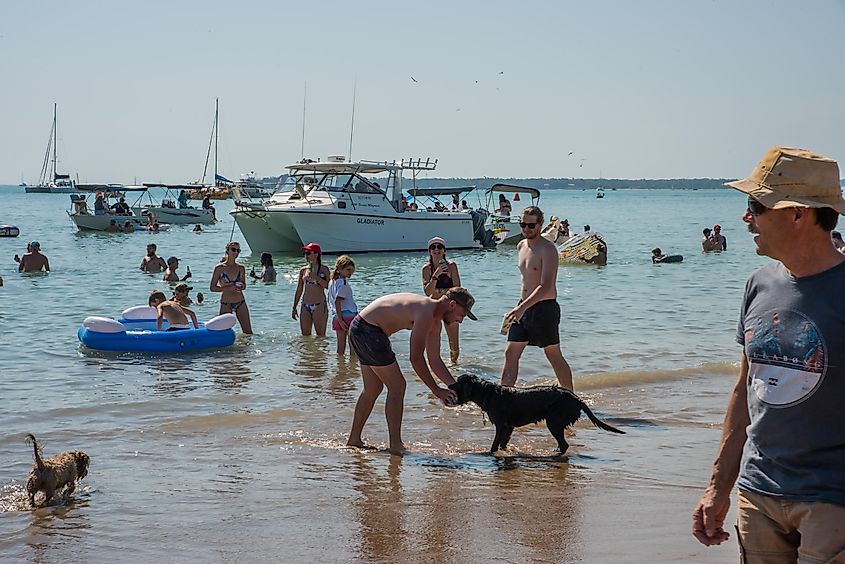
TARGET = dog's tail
(30,438)
(598,422)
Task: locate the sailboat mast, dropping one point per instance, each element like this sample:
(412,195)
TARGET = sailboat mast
(216,126)
(55,141)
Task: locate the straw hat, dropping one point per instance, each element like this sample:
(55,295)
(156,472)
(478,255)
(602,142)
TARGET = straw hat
(789,177)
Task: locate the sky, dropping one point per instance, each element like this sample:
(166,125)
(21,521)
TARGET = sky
(645,89)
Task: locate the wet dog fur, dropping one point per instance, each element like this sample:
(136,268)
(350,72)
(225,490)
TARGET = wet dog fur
(55,474)
(509,408)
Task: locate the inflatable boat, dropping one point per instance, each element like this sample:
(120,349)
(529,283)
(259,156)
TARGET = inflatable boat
(9,231)
(136,331)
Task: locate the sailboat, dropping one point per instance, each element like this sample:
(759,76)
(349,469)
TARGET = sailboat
(51,181)
(222,187)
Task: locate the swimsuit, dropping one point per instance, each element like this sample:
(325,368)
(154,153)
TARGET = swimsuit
(310,308)
(444,282)
(539,325)
(370,343)
(236,280)
(178,327)
(233,306)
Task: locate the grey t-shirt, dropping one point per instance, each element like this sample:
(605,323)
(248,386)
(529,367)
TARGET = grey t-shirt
(793,331)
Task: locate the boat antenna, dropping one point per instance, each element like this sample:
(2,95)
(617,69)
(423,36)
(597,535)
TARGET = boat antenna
(304,97)
(352,127)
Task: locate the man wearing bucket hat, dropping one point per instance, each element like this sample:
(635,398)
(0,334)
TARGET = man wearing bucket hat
(783,438)
(369,336)
(33,260)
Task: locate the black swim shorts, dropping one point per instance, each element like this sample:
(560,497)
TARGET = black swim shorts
(370,343)
(539,326)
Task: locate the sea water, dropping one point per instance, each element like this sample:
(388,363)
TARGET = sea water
(239,453)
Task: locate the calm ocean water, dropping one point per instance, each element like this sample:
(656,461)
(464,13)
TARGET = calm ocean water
(210,456)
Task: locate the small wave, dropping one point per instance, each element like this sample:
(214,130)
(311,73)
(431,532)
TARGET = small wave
(629,377)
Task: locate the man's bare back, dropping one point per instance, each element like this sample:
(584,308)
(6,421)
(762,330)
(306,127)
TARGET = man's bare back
(395,312)
(175,314)
(34,262)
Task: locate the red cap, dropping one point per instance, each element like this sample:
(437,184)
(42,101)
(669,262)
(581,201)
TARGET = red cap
(313,247)
(717,226)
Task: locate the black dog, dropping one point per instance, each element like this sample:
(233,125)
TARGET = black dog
(509,408)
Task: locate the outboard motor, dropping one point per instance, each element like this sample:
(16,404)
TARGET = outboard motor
(479,232)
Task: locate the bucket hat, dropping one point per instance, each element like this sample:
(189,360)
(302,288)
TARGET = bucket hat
(788,177)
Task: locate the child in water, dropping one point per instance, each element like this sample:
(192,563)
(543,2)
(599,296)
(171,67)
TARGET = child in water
(342,305)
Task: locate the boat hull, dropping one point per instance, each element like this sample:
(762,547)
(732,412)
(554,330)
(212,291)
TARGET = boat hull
(177,216)
(339,232)
(88,222)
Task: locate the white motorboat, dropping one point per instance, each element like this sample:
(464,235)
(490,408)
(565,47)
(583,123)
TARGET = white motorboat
(50,181)
(247,186)
(173,209)
(504,222)
(87,219)
(599,192)
(349,207)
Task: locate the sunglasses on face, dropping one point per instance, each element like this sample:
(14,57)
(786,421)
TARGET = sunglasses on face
(306,253)
(437,247)
(755,208)
(234,249)
(523,225)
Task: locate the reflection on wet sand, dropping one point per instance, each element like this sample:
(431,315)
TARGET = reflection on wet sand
(469,508)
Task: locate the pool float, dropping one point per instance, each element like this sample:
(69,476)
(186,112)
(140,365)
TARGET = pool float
(136,331)
(9,231)
(669,258)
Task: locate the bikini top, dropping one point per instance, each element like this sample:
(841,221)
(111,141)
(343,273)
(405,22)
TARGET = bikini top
(225,276)
(305,279)
(444,282)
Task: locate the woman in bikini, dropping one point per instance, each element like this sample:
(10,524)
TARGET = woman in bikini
(438,275)
(312,285)
(229,278)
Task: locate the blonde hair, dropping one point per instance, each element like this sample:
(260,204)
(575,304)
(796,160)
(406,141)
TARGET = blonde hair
(343,261)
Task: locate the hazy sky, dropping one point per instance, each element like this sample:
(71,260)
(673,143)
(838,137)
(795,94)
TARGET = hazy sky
(645,89)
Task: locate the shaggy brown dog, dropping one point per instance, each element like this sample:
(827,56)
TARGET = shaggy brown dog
(56,473)
(508,408)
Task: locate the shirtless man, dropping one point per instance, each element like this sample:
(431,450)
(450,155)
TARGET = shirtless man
(152,263)
(368,335)
(175,314)
(535,321)
(721,241)
(33,260)
(170,274)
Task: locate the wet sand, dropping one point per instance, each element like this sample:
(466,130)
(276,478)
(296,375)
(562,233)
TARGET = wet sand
(231,486)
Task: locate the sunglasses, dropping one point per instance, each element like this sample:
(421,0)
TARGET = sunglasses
(755,208)
(523,225)
(436,247)
(306,253)
(234,249)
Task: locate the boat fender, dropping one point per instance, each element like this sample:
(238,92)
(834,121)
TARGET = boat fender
(9,231)
(221,322)
(672,258)
(140,312)
(103,325)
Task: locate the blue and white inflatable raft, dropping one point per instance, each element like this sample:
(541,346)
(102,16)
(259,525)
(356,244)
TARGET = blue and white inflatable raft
(135,331)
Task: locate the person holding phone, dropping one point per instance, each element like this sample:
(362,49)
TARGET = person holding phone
(438,275)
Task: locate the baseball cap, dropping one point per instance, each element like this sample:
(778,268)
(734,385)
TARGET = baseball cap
(463,298)
(434,240)
(789,177)
(313,247)
(183,288)
(35,245)
(717,226)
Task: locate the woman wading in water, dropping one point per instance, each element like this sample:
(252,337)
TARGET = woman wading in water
(438,275)
(311,287)
(229,278)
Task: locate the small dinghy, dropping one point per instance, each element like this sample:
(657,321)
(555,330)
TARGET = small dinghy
(9,231)
(136,331)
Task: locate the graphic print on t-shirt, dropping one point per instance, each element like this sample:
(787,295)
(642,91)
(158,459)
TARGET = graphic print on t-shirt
(786,357)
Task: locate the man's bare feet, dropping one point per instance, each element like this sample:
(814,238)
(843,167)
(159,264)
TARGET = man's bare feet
(398,451)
